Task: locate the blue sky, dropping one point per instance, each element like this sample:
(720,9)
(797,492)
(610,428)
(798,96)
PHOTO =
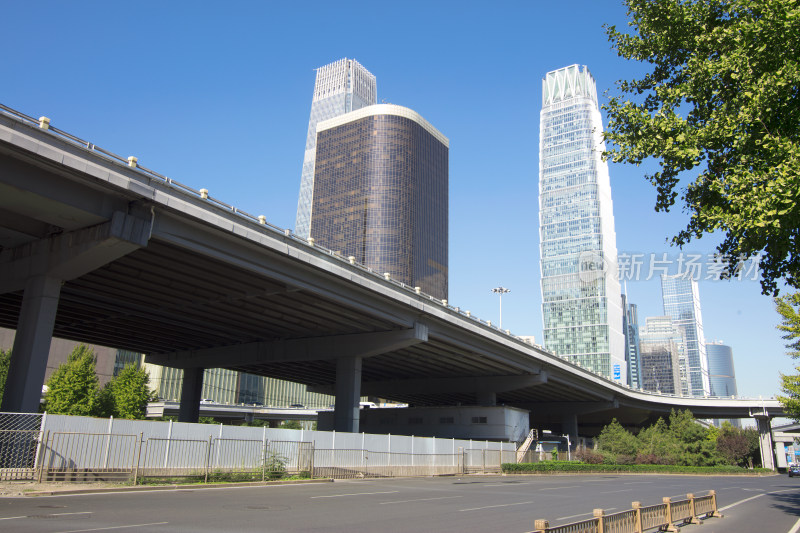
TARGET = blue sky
(217,95)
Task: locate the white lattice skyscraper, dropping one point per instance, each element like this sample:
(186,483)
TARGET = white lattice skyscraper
(581,296)
(340,87)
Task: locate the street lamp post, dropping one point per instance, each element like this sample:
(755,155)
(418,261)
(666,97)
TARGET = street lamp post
(501,291)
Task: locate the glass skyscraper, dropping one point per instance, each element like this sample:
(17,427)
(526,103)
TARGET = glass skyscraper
(340,87)
(721,374)
(660,349)
(581,296)
(630,326)
(682,304)
(381,194)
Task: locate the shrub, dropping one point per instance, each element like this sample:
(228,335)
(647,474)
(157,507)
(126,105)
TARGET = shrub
(546,467)
(589,456)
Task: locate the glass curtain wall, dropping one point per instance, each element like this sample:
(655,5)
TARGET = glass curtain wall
(582,305)
(682,304)
(340,87)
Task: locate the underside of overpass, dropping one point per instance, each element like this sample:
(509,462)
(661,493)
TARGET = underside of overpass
(97,251)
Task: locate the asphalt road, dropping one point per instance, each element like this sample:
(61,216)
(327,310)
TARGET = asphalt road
(478,504)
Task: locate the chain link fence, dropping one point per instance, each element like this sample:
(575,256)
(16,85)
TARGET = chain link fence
(19,445)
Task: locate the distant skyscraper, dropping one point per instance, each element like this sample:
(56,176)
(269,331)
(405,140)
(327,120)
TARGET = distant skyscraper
(581,297)
(682,303)
(721,374)
(381,194)
(340,87)
(660,349)
(630,326)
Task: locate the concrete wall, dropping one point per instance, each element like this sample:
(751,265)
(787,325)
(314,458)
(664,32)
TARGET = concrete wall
(498,423)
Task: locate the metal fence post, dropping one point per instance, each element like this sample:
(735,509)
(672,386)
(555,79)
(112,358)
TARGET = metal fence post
(541,526)
(37,458)
(668,526)
(313,456)
(44,456)
(138,460)
(264,450)
(169,442)
(108,441)
(219,448)
(208,457)
(598,515)
(637,506)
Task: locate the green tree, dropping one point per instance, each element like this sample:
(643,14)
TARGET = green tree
(734,445)
(719,111)
(789,309)
(5,362)
(618,441)
(696,449)
(291,424)
(657,445)
(127,394)
(72,389)
(753,439)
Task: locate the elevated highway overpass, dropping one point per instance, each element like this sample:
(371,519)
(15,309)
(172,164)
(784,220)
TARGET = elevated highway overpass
(96,248)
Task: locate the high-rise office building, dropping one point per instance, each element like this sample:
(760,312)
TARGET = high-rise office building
(581,296)
(721,374)
(660,349)
(630,326)
(381,194)
(340,87)
(682,304)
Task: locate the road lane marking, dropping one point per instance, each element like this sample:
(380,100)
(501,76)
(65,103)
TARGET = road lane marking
(493,506)
(507,484)
(43,515)
(114,527)
(585,514)
(613,491)
(741,501)
(756,496)
(357,494)
(421,500)
(638,482)
(796,527)
(559,488)
(784,490)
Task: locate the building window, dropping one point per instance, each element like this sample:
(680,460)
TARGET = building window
(478,419)
(415,420)
(446,420)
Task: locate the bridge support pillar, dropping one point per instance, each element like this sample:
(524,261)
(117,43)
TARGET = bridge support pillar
(189,410)
(569,426)
(765,442)
(37,317)
(348,393)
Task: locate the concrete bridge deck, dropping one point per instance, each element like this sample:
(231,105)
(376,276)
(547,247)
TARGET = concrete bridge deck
(98,249)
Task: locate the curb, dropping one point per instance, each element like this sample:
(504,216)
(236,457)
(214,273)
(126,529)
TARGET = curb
(173,487)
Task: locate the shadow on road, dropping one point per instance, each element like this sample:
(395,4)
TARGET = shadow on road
(788,502)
